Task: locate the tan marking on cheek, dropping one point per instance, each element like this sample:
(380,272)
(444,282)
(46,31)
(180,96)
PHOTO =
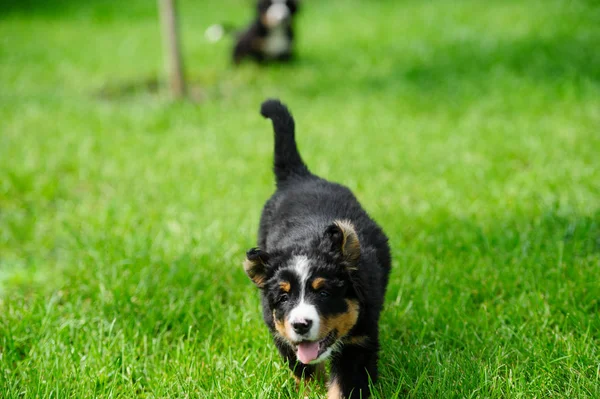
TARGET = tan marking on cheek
(317,283)
(285,286)
(334,391)
(342,322)
(280,326)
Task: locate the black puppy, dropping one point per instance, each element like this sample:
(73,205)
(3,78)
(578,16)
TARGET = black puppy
(270,37)
(322,265)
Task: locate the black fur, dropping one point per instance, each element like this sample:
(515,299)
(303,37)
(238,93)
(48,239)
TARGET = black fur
(252,42)
(300,219)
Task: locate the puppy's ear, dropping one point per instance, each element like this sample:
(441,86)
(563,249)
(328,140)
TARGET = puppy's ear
(342,239)
(255,266)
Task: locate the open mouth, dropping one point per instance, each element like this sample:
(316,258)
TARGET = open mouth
(308,351)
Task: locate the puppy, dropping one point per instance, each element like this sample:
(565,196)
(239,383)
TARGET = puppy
(270,37)
(322,266)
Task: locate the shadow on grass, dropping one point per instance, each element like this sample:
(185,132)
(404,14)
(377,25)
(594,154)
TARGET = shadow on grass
(473,64)
(94,10)
(54,7)
(151,86)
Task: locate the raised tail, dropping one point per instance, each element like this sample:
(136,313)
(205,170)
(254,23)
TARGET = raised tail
(287,163)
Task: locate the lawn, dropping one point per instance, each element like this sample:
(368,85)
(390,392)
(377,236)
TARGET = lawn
(469,129)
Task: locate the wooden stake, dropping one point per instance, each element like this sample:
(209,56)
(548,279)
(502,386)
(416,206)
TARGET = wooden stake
(171,44)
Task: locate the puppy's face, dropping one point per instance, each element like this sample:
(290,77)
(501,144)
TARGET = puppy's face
(275,13)
(310,293)
(311,309)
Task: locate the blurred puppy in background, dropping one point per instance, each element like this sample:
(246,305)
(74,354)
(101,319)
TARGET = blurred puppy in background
(270,37)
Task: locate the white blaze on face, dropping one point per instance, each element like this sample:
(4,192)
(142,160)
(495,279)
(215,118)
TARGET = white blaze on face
(276,14)
(304,311)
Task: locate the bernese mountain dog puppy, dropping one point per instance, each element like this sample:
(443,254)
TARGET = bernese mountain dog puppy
(322,266)
(270,37)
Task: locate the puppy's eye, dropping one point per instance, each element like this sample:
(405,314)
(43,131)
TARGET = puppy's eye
(283,298)
(324,294)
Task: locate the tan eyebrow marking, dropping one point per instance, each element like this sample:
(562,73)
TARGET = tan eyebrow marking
(317,283)
(285,286)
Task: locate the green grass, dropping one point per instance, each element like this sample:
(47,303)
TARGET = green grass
(468,129)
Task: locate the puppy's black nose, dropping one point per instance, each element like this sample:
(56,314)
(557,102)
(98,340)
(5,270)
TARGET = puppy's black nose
(302,327)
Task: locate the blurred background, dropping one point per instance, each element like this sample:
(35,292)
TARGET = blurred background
(468,129)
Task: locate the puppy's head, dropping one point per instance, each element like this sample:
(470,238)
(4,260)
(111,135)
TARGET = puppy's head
(275,13)
(310,292)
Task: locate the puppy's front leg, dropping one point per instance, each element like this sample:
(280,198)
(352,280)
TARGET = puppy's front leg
(350,373)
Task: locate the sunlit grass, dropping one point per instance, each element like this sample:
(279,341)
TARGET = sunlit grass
(468,129)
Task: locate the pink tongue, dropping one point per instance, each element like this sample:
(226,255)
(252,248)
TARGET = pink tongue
(308,351)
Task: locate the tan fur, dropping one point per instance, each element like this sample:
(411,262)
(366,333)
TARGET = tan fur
(342,323)
(302,385)
(350,243)
(281,326)
(334,391)
(317,283)
(264,20)
(285,286)
(298,380)
(320,375)
(255,270)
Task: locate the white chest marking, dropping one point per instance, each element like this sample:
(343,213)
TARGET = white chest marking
(276,42)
